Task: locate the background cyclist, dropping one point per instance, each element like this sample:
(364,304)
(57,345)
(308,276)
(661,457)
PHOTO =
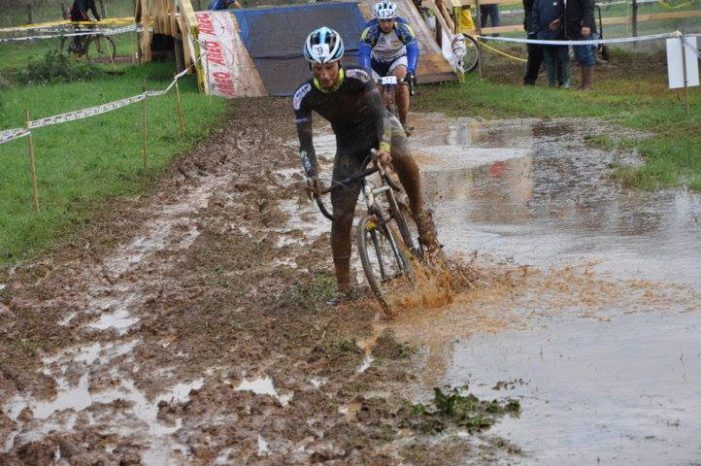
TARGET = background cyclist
(349,99)
(388,46)
(79,12)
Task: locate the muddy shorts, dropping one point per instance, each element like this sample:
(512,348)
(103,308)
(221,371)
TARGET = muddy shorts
(381,68)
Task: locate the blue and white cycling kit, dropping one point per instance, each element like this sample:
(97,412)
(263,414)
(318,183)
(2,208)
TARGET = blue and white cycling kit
(384,51)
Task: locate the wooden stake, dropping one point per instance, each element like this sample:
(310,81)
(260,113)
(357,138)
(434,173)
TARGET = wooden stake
(134,50)
(144,152)
(181,113)
(32,162)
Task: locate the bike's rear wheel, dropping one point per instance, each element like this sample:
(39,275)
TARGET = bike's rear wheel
(100,49)
(471,58)
(385,260)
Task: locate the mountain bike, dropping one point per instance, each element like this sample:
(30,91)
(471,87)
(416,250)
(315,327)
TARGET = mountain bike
(97,47)
(387,237)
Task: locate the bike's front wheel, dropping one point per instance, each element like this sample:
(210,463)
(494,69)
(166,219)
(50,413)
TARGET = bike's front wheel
(385,261)
(67,46)
(100,49)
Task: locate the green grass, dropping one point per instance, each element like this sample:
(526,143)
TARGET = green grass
(632,94)
(84,162)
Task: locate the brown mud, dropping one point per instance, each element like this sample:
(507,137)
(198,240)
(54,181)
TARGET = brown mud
(189,326)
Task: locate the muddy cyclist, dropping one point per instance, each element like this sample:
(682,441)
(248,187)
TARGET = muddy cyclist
(348,98)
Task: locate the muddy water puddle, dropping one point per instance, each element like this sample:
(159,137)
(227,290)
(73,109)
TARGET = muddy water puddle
(532,192)
(625,391)
(594,325)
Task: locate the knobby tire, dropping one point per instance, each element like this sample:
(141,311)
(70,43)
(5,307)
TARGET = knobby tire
(384,259)
(99,48)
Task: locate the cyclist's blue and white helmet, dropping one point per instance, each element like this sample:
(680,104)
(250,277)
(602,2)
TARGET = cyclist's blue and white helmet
(323,45)
(385,10)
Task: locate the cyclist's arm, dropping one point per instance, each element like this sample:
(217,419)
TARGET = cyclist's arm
(365,48)
(412,56)
(303,121)
(93,8)
(406,34)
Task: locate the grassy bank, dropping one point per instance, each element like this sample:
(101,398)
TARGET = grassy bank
(631,91)
(84,162)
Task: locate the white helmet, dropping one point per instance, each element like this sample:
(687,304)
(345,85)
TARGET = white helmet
(385,10)
(323,45)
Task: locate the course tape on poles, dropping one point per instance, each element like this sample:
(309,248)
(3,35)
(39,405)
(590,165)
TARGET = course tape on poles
(621,40)
(12,134)
(67,23)
(86,32)
(16,133)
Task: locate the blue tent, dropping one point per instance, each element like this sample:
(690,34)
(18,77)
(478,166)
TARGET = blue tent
(275,38)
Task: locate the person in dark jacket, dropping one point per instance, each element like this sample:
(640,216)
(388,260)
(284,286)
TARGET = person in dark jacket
(546,24)
(80,8)
(535,51)
(489,11)
(579,24)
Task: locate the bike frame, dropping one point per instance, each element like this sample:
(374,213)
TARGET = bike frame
(370,193)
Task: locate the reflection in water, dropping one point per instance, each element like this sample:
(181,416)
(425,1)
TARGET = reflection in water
(603,330)
(545,199)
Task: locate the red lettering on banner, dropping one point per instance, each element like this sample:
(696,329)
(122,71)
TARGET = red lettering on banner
(214,52)
(205,23)
(224,83)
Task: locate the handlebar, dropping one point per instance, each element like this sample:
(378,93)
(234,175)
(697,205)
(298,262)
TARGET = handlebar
(376,168)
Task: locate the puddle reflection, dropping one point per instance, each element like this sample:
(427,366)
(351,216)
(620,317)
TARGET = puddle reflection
(540,196)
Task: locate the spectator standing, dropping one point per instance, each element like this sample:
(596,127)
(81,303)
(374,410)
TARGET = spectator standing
(579,25)
(546,23)
(535,51)
(489,11)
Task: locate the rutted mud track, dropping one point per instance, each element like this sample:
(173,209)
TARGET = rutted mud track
(134,343)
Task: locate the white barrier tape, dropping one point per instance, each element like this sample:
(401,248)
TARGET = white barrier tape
(691,47)
(621,40)
(170,86)
(84,113)
(106,32)
(105,22)
(11,134)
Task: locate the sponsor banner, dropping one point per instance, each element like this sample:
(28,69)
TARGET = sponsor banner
(216,39)
(11,134)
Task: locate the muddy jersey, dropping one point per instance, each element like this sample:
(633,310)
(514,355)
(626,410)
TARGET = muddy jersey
(354,109)
(386,47)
